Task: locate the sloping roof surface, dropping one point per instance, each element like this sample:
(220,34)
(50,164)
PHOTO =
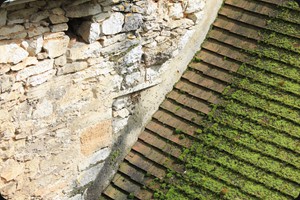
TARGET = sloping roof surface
(230,129)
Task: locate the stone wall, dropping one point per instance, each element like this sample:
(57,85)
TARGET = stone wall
(71,76)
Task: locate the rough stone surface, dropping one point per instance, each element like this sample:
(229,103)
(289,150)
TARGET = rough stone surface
(56,47)
(96,137)
(13,53)
(89,31)
(3,17)
(132,22)
(82,51)
(11,169)
(114,24)
(83,10)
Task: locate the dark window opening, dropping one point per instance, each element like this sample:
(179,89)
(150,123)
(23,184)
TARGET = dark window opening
(1,197)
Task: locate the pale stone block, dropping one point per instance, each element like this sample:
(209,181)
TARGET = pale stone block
(43,109)
(3,17)
(194,6)
(41,78)
(59,27)
(35,45)
(134,56)
(72,67)
(81,51)
(89,31)
(39,16)
(101,17)
(106,40)
(61,61)
(37,31)
(13,53)
(82,10)
(11,169)
(57,46)
(96,137)
(7,30)
(27,62)
(176,11)
(132,22)
(58,19)
(39,68)
(113,24)
(58,11)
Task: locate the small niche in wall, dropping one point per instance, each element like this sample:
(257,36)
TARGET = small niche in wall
(74,24)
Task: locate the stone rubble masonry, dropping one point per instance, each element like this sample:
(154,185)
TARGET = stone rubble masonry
(71,74)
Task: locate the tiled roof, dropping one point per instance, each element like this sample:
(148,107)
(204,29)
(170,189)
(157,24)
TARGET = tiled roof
(230,128)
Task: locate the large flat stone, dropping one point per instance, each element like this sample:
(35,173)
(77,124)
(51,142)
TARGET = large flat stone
(132,22)
(56,47)
(89,31)
(12,53)
(83,10)
(81,51)
(113,24)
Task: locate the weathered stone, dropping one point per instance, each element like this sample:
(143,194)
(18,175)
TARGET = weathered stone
(81,51)
(41,67)
(134,56)
(72,67)
(58,19)
(57,46)
(35,45)
(36,17)
(106,40)
(48,36)
(83,10)
(58,11)
(41,78)
(7,30)
(13,53)
(121,113)
(11,169)
(176,11)
(132,22)
(22,14)
(4,68)
(61,61)
(28,61)
(113,24)
(96,157)
(38,31)
(59,27)
(89,31)
(194,6)
(96,138)
(3,17)
(101,17)
(43,109)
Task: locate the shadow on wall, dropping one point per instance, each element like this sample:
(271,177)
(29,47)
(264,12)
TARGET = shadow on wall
(1,197)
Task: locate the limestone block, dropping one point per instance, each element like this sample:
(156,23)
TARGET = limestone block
(96,137)
(81,51)
(72,67)
(27,62)
(43,109)
(41,78)
(83,10)
(35,45)
(101,17)
(119,103)
(39,16)
(176,11)
(4,68)
(7,130)
(13,53)
(194,6)
(8,30)
(39,68)
(58,11)
(56,47)
(60,61)
(58,19)
(59,27)
(89,31)
(11,169)
(113,24)
(37,31)
(133,79)
(106,40)
(134,56)
(121,113)
(22,14)
(3,17)
(132,22)
(6,82)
